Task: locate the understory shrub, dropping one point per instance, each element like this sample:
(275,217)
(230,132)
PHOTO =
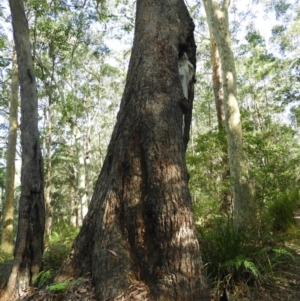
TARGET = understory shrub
(226,253)
(55,255)
(230,257)
(281,213)
(57,251)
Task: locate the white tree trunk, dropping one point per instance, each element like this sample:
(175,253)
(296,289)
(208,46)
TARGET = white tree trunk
(47,151)
(81,178)
(243,207)
(87,159)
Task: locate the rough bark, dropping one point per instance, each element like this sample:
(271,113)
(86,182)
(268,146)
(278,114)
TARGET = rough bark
(29,244)
(243,207)
(140,225)
(7,243)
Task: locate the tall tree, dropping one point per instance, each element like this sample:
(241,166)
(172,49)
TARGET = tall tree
(225,200)
(29,244)
(7,242)
(48,172)
(243,207)
(140,226)
(217,82)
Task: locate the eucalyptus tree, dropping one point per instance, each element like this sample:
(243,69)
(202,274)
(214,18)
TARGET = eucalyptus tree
(217,83)
(139,230)
(243,206)
(269,88)
(285,39)
(29,244)
(45,38)
(61,48)
(7,242)
(8,129)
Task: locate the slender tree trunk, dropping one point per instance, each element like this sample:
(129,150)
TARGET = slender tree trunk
(88,168)
(87,161)
(217,83)
(48,151)
(74,212)
(48,140)
(80,173)
(81,184)
(256,115)
(140,230)
(225,195)
(29,244)
(243,208)
(7,243)
(80,152)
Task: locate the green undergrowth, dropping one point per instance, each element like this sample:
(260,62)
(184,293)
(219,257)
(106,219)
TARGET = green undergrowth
(4,257)
(232,257)
(281,211)
(59,248)
(63,285)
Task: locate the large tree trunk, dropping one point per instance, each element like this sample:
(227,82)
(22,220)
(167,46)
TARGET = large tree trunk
(243,207)
(29,245)
(140,225)
(7,242)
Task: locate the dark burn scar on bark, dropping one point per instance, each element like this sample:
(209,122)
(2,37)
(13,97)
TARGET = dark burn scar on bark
(184,105)
(126,165)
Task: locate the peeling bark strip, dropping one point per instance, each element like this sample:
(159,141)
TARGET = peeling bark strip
(140,225)
(29,245)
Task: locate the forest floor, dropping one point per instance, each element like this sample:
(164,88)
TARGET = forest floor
(281,283)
